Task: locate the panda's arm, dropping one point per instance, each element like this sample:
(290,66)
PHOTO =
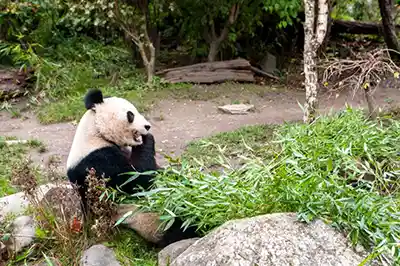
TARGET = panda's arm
(112,162)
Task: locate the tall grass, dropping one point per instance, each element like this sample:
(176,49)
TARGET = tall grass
(311,174)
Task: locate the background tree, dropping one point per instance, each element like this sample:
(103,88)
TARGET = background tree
(315,26)
(132,17)
(220,23)
(389,28)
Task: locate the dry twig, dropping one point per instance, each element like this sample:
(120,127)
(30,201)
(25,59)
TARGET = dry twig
(366,71)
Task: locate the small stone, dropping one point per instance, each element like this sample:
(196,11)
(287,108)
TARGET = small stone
(172,251)
(23,233)
(236,109)
(99,255)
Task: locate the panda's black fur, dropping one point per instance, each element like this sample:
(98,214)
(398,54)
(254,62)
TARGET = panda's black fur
(143,157)
(111,161)
(93,97)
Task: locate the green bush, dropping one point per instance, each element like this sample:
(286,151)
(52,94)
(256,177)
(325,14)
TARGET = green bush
(310,174)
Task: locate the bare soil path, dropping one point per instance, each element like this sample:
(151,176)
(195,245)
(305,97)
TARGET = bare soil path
(179,121)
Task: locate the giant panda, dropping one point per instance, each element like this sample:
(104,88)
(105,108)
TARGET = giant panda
(109,125)
(113,138)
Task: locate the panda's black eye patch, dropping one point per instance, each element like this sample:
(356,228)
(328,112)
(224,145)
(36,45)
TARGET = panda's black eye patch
(130,116)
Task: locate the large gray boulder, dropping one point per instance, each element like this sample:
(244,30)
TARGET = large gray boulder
(172,251)
(274,239)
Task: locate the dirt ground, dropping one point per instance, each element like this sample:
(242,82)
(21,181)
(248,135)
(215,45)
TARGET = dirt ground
(177,122)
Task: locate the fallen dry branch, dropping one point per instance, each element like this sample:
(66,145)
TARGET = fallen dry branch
(365,72)
(12,83)
(238,70)
(263,73)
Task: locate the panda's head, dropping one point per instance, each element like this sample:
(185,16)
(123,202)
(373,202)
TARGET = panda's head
(116,119)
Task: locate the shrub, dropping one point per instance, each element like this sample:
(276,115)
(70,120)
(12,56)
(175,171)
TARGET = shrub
(310,174)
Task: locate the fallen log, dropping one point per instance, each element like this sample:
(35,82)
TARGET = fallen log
(358,27)
(209,66)
(238,70)
(208,77)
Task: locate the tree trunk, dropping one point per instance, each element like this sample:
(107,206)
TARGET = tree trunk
(322,48)
(214,40)
(148,53)
(139,34)
(315,27)
(389,28)
(311,82)
(369,99)
(213,52)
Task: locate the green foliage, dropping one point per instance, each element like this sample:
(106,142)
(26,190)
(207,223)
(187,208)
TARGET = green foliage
(309,174)
(287,10)
(10,156)
(356,10)
(30,21)
(85,15)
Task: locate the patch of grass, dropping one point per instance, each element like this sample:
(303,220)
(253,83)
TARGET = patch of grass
(310,173)
(72,108)
(254,139)
(224,90)
(10,156)
(130,249)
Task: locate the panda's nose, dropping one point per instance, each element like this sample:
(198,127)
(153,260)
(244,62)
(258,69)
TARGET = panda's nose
(147,127)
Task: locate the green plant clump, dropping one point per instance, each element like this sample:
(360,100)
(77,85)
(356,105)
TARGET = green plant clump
(311,174)
(10,156)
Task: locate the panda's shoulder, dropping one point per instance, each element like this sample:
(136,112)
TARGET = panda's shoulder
(108,160)
(111,155)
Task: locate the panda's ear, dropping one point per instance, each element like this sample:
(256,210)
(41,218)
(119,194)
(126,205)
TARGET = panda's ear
(93,97)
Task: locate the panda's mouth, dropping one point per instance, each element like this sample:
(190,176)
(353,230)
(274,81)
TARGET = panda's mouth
(137,137)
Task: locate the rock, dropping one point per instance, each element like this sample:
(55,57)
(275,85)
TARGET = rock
(274,239)
(17,203)
(15,142)
(22,233)
(64,203)
(268,63)
(236,109)
(99,255)
(172,251)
